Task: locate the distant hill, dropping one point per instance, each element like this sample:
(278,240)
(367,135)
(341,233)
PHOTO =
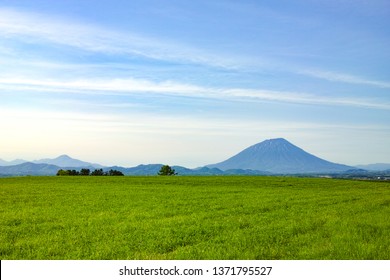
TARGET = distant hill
(270,157)
(67,161)
(142,169)
(29,168)
(12,162)
(61,161)
(279,156)
(43,169)
(375,166)
(153,169)
(149,169)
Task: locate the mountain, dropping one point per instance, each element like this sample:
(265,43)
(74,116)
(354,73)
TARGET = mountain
(12,162)
(142,169)
(153,169)
(44,169)
(29,168)
(280,157)
(274,156)
(67,161)
(375,166)
(150,169)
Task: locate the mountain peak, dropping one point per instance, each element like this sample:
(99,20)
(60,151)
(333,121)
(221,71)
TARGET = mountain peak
(272,145)
(278,156)
(276,140)
(63,157)
(67,161)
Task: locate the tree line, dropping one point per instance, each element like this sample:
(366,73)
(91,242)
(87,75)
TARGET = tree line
(87,172)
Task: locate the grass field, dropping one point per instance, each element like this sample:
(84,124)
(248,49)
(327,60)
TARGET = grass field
(193,218)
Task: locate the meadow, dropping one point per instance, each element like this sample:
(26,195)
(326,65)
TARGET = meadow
(174,217)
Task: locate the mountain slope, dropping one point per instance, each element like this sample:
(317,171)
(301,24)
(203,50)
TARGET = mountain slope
(43,169)
(375,166)
(67,161)
(29,168)
(281,157)
(153,169)
(12,162)
(142,169)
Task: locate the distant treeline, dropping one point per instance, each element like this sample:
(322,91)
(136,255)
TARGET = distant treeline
(87,172)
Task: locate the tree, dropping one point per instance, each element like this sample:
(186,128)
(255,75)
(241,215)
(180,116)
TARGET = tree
(115,173)
(73,172)
(97,172)
(62,172)
(166,170)
(85,172)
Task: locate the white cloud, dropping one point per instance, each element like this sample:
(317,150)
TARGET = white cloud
(37,27)
(137,133)
(140,86)
(345,78)
(42,28)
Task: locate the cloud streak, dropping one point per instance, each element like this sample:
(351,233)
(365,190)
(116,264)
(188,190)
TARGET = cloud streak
(38,28)
(130,86)
(34,27)
(345,78)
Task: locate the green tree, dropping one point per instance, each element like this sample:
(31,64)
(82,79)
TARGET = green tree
(97,172)
(63,172)
(73,172)
(115,173)
(166,170)
(85,172)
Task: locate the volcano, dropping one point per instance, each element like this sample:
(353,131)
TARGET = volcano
(281,157)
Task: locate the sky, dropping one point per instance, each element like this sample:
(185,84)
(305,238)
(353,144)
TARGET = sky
(193,82)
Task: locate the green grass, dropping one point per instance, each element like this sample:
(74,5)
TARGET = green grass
(193,218)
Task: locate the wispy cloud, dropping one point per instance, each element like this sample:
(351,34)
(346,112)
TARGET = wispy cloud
(35,27)
(345,78)
(304,98)
(43,27)
(138,86)
(39,28)
(104,87)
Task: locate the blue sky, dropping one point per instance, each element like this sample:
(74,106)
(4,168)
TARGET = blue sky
(193,82)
